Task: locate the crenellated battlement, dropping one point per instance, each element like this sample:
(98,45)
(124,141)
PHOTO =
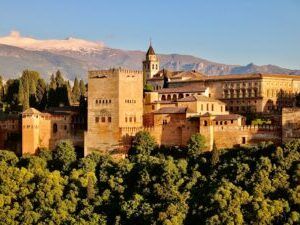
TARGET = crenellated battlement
(100,73)
(247,128)
(134,130)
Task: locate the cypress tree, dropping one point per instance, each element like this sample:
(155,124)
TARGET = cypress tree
(82,88)
(59,79)
(75,91)
(20,92)
(215,157)
(1,89)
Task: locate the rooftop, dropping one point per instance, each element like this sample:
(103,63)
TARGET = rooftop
(192,88)
(171,110)
(200,98)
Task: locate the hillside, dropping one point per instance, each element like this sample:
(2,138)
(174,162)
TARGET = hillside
(74,57)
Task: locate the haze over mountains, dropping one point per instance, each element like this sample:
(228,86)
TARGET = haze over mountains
(74,57)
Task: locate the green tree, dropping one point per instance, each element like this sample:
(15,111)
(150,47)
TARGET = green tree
(143,143)
(20,92)
(76,91)
(1,89)
(59,80)
(215,155)
(196,145)
(82,88)
(64,155)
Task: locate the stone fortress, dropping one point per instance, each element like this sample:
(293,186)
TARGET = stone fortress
(182,103)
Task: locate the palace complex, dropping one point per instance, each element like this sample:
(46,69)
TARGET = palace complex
(182,103)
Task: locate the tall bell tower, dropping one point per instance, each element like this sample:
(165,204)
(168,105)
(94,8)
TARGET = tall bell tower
(150,64)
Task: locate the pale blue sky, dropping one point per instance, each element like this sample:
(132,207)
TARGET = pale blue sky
(226,31)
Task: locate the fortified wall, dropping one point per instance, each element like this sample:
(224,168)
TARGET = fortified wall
(290,124)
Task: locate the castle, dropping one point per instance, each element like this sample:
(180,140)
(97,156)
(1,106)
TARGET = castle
(182,103)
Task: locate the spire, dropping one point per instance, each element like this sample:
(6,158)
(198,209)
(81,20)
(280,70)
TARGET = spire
(150,50)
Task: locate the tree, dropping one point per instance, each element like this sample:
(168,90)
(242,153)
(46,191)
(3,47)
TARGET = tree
(196,145)
(143,143)
(1,89)
(59,80)
(76,91)
(215,155)
(82,88)
(148,88)
(21,92)
(64,155)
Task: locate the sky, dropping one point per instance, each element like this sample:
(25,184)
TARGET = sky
(224,31)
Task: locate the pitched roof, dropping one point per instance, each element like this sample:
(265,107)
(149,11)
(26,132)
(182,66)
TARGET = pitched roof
(31,111)
(171,110)
(183,89)
(150,51)
(200,98)
(227,117)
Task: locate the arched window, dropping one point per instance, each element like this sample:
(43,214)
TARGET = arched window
(163,98)
(169,98)
(54,128)
(205,123)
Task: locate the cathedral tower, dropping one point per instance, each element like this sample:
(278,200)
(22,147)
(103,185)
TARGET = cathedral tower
(151,64)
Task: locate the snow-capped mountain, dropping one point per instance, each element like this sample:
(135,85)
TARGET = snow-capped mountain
(68,44)
(74,57)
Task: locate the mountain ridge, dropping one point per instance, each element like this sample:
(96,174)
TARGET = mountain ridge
(74,57)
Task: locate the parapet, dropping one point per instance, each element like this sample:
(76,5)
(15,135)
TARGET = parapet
(102,73)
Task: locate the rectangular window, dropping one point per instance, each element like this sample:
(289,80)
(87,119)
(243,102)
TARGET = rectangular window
(221,108)
(243,140)
(109,119)
(97,119)
(130,119)
(207,107)
(126,119)
(134,119)
(212,107)
(103,119)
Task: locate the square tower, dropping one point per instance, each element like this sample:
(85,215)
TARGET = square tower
(115,101)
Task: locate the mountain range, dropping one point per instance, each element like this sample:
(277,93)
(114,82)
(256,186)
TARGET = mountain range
(74,57)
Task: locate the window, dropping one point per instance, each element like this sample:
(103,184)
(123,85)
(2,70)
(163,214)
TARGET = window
(201,107)
(97,119)
(212,107)
(65,127)
(205,123)
(103,119)
(126,119)
(130,119)
(96,101)
(243,140)
(231,121)
(54,128)
(221,108)
(109,119)
(153,107)
(134,119)
(165,122)
(207,107)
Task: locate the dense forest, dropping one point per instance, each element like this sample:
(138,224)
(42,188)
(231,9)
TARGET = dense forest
(153,185)
(30,90)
